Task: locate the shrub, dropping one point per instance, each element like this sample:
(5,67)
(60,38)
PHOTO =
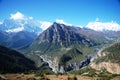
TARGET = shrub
(43,78)
(31,79)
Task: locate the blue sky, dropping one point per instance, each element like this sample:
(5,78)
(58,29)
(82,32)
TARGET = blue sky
(78,12)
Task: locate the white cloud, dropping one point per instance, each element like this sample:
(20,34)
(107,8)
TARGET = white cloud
(30,17)
(15,29)
(17,16)
(100,26)
(1,22)
(45,24)
(62,22)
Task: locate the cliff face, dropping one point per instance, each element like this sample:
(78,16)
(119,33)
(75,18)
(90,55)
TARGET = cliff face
(108,66)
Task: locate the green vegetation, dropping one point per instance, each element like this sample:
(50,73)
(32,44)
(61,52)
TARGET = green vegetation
(72,78)
(31,79)
(44,78)
(71,54)
(42,72)
(112,54)
(36,59)
(94,73)
(12,61)
(85,71)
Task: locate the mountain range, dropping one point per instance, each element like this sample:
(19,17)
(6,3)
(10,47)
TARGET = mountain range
(69,48)
(61,47)
(18,34)
(29,25)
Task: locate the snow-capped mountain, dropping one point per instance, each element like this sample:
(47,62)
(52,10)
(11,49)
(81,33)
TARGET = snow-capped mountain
(18,31)
(11,25)
(19,22)
(103,26)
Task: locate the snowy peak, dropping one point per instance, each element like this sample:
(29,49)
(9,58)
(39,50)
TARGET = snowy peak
(103,26)
(19,22)
(60,21)
(11,25)
(15,30)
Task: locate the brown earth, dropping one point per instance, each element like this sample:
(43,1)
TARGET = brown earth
(51,77)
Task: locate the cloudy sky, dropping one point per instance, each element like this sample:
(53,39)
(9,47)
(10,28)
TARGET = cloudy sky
(76,12)
(95,14)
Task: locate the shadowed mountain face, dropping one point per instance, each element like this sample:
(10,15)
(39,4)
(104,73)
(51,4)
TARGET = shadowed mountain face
(17,40)
(3,37)
(59,40)
(18,34)
(12,61)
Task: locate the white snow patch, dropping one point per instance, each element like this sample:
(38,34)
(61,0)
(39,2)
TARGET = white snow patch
(44,24)
(101,26)
(60,21)
(16,29)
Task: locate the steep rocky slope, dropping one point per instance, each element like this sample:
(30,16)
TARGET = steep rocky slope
(108,59)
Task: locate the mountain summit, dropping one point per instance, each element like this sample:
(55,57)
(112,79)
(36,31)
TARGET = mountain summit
(62,34)
(66,47)
(18,33)
(11,25)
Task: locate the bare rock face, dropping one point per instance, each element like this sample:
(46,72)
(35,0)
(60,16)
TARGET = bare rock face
(113,68)
(52,62)
(65,35)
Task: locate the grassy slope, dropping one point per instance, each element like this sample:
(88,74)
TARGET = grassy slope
(13,61)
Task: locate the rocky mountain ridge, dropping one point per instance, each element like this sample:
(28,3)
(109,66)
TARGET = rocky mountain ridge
(59,41)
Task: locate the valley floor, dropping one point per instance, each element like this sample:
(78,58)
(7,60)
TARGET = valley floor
(48,77)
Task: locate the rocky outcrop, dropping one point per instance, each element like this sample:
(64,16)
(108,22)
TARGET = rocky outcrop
(108,66)
(77,66)
(52,62)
